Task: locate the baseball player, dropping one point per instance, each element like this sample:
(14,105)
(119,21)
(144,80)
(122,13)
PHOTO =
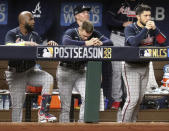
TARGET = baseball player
(72,74)
(142,33)
(119,17)
(21,73)
(81,13)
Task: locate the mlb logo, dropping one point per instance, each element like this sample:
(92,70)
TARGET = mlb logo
(145,52)
(45,52)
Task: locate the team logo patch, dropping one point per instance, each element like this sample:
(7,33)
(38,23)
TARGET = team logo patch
(37,11)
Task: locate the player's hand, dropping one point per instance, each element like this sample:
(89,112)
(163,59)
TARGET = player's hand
(150,25)
(89,42)
(17,40)
(52,43)
(97,42)
(30,43)
(94,40)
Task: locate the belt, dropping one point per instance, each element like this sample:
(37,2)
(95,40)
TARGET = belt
(64,64)
(12,69)
(118,33)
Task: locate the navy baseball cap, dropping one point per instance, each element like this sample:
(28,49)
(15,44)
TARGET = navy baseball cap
(80,8)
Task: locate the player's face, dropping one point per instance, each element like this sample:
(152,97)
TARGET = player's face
(144,17)
(83,16)
(84,35)
(29,22)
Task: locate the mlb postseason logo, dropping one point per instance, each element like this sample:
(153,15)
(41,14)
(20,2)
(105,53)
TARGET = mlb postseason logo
(153,52)
(77,52)
(3,12)
(44,52)
(67,16)
(145,53)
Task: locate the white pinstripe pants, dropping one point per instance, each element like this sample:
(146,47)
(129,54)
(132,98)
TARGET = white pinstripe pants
(17,86)
(136,79)
(67,80)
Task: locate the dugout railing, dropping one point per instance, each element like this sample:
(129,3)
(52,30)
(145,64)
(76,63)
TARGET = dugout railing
(93,54)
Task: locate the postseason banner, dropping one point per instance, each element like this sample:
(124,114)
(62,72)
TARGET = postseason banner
(75,53)
(102,53)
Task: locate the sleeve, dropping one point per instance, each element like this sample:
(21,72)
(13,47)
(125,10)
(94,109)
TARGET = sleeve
(132,38)
(10,39)
(68,39)
(103,39)
(160,37)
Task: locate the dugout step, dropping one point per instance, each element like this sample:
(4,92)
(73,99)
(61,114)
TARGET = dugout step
(148,115)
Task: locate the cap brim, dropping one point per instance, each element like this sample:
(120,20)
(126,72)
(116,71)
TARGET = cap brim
(88,9)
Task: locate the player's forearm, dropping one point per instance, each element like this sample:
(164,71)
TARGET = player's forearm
(68,41)
(106,41)
(135,40)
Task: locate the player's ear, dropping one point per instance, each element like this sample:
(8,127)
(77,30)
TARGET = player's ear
(138,17)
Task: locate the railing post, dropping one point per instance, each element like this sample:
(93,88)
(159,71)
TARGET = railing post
(93,83)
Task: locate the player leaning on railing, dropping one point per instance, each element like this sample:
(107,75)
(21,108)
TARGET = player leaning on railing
(142,33)
(72,74)
(22,72)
